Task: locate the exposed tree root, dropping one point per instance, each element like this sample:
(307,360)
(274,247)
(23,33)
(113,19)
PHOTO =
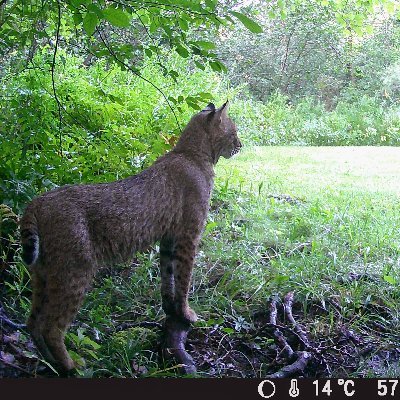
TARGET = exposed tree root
(298,359)
(288,304)
(173,347)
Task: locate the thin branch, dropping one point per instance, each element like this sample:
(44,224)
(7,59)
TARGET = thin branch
(5,320)
(111,51)
(283,344)
(288,303)
(65,110)
(149,36)
(168,7)
(53,64)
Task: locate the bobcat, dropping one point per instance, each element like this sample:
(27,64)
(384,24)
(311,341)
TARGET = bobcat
(70,232)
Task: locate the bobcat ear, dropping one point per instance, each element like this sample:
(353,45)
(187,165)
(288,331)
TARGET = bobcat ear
(210,107)
(225,105)
(222,111)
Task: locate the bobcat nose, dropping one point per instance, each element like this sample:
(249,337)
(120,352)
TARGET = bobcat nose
(240,144)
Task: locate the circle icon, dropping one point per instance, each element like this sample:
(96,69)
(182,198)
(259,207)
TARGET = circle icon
(270,387)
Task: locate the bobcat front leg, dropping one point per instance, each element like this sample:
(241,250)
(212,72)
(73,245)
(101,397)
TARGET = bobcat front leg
(167,267)
(185,250)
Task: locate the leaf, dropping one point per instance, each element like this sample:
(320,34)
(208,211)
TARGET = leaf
(250,24)
(116,17)
(77,358)
(205,44)
(172,99)
(77,18)
(200,65)
(192,103)
(211,4)
(205,96)
(78,3)
(89,342)
(90,22)
(182,51)
(217,66)
(390,279)
(183,24)
(153,26)
(209,227)
(116,99)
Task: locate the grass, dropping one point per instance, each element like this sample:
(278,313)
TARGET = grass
(323,222)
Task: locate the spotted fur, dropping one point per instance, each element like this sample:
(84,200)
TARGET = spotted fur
(70,232)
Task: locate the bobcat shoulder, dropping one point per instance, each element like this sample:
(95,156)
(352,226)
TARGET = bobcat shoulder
(70,232)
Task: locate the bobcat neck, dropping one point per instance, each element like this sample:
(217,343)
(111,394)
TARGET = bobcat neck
(196,144)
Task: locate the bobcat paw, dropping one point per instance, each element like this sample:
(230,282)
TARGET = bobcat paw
(188,315)
(182,312)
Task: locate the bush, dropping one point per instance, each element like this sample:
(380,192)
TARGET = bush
(113,123)
(354,122)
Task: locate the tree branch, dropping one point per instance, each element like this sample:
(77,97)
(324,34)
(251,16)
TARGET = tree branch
(53,65)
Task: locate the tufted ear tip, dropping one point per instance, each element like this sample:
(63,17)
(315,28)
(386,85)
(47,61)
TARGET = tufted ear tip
(222,111)
(210,107)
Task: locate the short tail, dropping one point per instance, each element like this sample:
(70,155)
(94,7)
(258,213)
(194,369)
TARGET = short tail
(29,237)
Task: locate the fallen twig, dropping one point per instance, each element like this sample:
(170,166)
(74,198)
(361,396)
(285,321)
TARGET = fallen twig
(4,319)
(302,359)
(16,367)
(286,348)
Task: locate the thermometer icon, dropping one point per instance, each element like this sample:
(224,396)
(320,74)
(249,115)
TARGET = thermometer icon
(294,390)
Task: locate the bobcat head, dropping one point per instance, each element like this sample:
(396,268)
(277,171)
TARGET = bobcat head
(222,131)
(209,135)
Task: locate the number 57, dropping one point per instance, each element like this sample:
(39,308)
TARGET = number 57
(383,386)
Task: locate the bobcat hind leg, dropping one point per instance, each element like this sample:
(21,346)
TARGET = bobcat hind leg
(38,299)
(63,295)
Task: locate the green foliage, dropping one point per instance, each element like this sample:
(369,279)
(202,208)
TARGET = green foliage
(354,121)
(113,124)
(104,29)
(132,340)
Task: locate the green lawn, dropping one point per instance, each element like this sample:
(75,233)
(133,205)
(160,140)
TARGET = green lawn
(312,172)
(344,200)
